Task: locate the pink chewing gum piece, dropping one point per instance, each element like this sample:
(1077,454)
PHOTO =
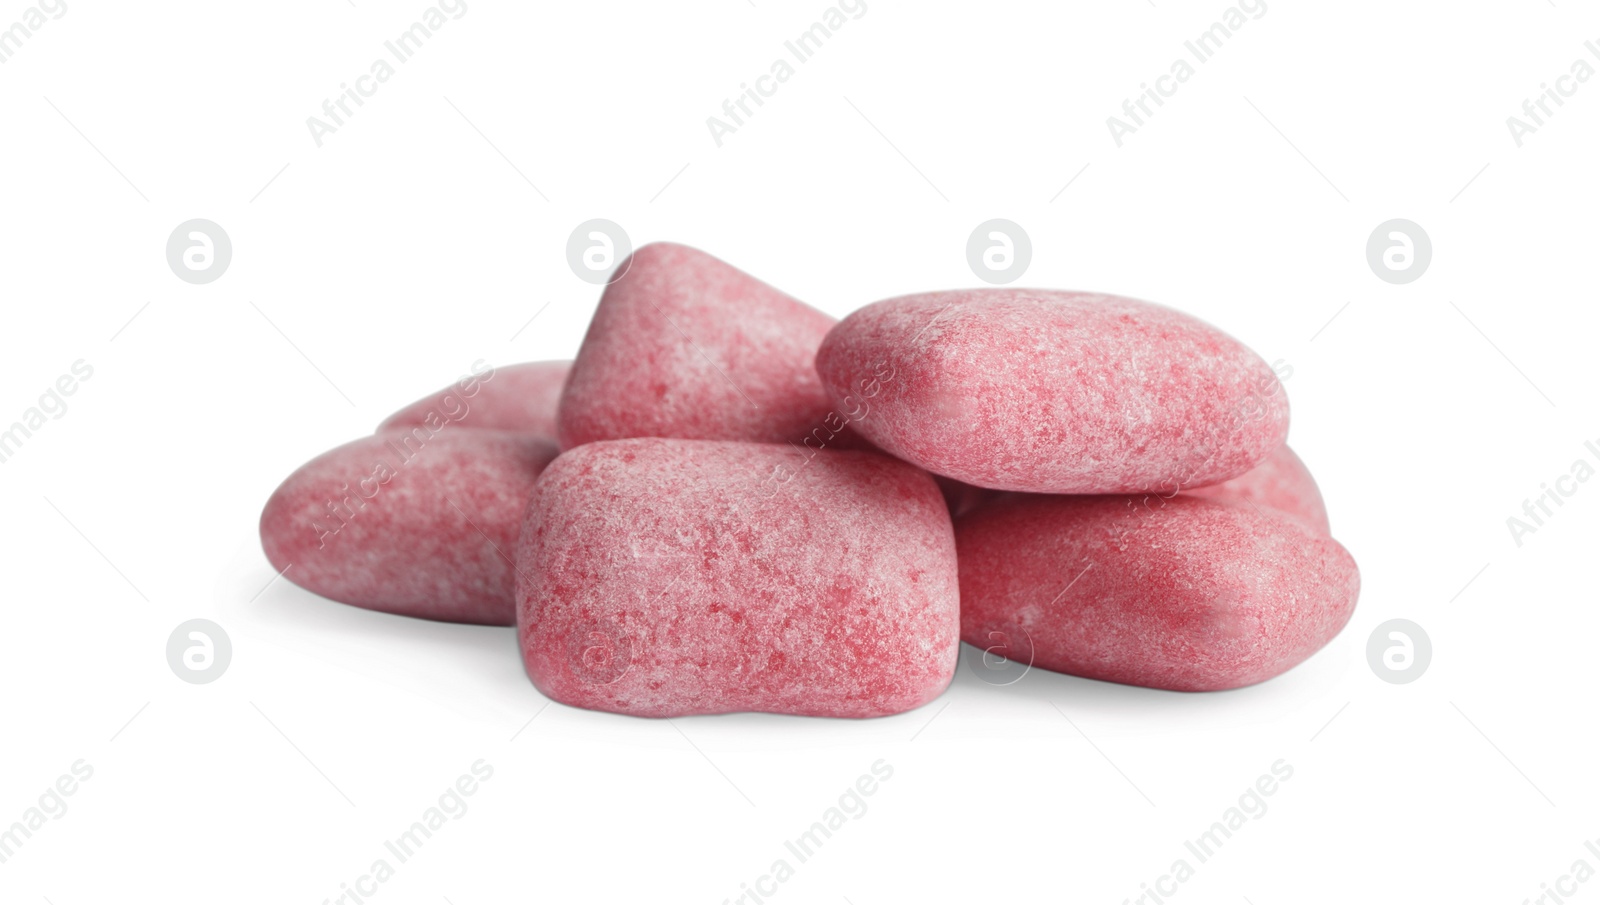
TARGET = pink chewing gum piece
(666,577)
(1282,482)
(408,523)
(683,345)
(1186,594)
(1054,392)
(520,397)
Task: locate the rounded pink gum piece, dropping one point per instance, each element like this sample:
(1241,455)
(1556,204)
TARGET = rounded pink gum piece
(1282,483)
(684,345)
(409,524)
(519,397)
(1186,594)
(1055,392)
(666,577)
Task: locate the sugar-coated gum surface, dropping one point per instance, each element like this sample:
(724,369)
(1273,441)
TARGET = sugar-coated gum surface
(1188,593)
(1282,482)
(1055,392)
(684,345)
(672,577)
(520,397)
(409,523)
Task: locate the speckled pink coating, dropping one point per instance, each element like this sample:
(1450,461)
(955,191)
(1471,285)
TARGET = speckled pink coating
(519,397)
(683,345)
(1282,482)
(409,523)
(671,577)
(1055,392)
(1187,594)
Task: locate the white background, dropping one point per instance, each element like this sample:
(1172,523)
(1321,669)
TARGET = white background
(407,247)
